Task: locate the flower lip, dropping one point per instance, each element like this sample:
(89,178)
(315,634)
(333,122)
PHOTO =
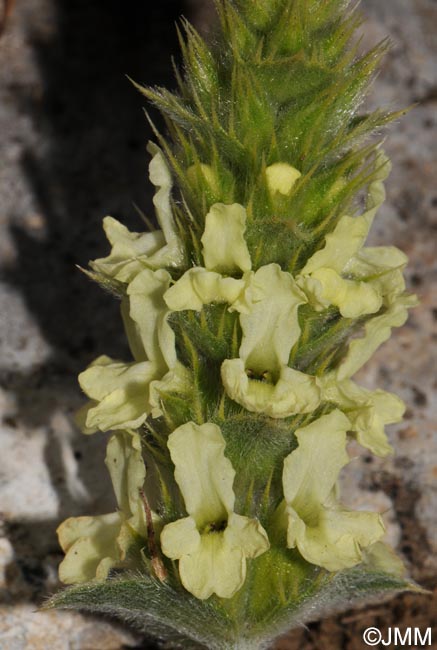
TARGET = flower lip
(292,392)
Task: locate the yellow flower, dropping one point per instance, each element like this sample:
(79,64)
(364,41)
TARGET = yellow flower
(368,411)
(342,273)
(95,545)
(124,394)
(260,379)
(324,533)
(132,252)
(224,247)
(213,542)
(376,331)
(225,251)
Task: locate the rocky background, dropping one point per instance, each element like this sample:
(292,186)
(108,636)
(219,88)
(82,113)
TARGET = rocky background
(72,141)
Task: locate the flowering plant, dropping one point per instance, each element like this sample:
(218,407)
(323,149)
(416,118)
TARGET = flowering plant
(247,314)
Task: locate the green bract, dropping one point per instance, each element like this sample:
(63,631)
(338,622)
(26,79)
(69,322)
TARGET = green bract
(247,314)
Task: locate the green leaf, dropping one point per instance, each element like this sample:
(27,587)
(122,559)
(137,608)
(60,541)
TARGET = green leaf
(151,607)
(285,592)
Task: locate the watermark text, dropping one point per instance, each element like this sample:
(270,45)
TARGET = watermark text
(393,636)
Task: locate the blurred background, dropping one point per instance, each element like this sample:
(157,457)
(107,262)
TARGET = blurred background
(72,149)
